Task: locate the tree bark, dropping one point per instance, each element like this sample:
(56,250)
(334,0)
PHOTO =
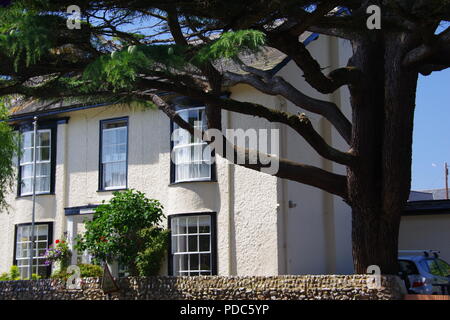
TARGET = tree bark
(379,183)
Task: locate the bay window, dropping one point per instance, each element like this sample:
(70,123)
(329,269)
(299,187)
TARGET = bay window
(191,157)
(113,154)
(193,249)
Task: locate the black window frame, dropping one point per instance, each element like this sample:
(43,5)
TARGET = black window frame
(49,241)
(213,216)
(100,154)
(51,125)
(179,104)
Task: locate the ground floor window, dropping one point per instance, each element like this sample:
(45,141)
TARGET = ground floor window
(43,238)
(193,239)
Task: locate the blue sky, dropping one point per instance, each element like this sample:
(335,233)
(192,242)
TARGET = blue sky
(431,144)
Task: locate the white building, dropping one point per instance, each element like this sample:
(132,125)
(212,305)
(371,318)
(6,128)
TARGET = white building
(251,223)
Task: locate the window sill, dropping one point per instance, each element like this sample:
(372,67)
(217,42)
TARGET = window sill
(111,190)
(37,195)
(192,181)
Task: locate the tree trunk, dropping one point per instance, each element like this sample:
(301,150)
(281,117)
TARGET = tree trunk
(383,110)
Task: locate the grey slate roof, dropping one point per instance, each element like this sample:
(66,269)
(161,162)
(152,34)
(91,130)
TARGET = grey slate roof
(438,194)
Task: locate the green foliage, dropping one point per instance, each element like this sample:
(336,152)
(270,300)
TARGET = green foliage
(120,70)
(13,274)
(148,261)
(123,228)
(86,271)
(8,149)
(26,35)
(230,44)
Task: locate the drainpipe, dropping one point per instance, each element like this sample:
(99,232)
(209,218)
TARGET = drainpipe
(33,213)
(232,259)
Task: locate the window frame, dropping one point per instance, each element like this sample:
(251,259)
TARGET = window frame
(101,187)
(213,235)
(213,174)
(49,241)
(42,126)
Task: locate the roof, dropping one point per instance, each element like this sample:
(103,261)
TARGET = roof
(427,207)
(438,194)
(269,59)
(420,195)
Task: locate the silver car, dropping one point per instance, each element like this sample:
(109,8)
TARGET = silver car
(424,272)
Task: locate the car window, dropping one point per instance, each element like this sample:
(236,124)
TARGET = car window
(437,267)
(408,267)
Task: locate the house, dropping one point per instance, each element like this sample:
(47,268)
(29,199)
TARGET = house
(425,222)
(239,221)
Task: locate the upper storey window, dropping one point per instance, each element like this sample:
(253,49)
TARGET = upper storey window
(113,154)
(43,162)
(190,162)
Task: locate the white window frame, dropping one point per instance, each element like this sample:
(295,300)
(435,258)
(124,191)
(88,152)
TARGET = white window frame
(201,145)
(175,237)
(38,162)
(23,268)
(103,162)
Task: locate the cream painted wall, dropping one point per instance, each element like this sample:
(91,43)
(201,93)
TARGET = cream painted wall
(426,232)
(149,172)
(318,225)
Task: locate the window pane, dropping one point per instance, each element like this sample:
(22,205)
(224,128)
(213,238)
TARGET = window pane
(192,225)
(174,244)
(204,243)
(114,174)
(182,243)
(193,241)
(184,262)
(44,138)
(27,139)
(194,261)
(26,156)
(182,228)
(204,223)
(43,154)
(27,186)
(174,226)
(42,169)
(42,184)
(27,171)
(205,261)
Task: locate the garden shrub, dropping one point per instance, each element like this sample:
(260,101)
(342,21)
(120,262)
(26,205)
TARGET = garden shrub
(127,230)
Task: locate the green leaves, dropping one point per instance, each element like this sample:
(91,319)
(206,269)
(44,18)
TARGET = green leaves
(8,149)
(231,44)
(25,35)
(124,229)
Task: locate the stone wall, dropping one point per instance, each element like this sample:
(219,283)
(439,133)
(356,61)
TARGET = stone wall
(307,287)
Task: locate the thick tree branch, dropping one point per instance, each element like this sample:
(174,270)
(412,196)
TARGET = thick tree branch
(175,29)
(311,68)
(300,123)
(310,175)
(432,56)
(279,86)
